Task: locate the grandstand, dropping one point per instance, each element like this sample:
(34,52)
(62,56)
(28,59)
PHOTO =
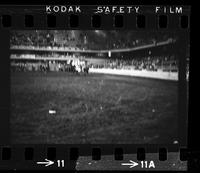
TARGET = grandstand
(123,99)
(65,46)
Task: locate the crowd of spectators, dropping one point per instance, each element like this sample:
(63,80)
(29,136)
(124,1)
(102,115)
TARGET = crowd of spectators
(41,40)
(121,44)
(150,63)
(29,66)
(33,38)
(70,65)
(43,66)
(46,55)
(49,40)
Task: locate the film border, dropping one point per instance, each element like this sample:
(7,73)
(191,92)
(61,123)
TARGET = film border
(152,24)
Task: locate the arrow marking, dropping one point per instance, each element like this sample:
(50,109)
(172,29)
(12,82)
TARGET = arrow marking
(131,164)
(47,163)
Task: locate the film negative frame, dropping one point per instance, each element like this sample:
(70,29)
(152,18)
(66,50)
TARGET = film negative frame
(35,17)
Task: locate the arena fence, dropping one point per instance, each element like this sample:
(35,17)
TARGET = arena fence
(138,73)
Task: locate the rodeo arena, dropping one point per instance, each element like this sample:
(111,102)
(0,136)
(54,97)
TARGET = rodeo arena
(93,86)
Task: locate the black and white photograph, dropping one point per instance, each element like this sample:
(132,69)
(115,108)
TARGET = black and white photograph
(94,87)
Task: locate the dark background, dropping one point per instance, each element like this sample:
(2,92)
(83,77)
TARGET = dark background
(193,142)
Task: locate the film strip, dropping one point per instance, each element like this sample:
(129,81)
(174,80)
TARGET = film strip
(73,159)
(148,20)
(54,40)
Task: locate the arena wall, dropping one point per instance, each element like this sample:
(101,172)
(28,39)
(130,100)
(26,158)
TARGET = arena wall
(138,73)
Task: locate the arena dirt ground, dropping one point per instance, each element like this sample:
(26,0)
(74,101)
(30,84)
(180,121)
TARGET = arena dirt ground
(92,109)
